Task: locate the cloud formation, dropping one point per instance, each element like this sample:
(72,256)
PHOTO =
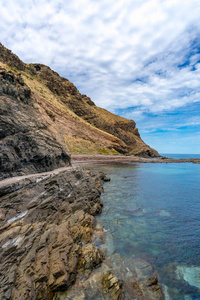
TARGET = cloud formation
(136,58)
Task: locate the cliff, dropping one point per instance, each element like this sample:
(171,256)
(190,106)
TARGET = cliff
(29,142)
(125,130)
(44,117)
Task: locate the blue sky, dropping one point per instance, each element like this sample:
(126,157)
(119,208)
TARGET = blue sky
(139,59)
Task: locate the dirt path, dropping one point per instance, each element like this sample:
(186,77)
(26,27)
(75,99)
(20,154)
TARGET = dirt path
(12,180)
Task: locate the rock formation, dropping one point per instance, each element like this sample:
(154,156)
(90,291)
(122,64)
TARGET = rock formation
(47,242)
(85,108)
(48,235)
(48,115)
(44,226)
(28,144)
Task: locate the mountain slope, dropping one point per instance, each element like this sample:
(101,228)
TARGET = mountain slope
(100,118)
(43,117)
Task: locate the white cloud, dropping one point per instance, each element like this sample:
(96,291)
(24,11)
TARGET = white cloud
(104,46)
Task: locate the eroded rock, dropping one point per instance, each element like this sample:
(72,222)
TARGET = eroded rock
(28,142)
(43,234)
(90,258)
(113,286)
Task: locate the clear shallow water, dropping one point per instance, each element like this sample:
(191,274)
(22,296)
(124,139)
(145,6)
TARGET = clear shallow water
(153,210)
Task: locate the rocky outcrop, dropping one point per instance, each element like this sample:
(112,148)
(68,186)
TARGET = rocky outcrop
(27,142)
(112,286)
(50,243)
(46,230)
(9,58)
(47,225)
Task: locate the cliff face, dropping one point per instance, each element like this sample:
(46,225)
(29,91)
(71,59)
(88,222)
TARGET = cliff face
(28,143)
(43,117)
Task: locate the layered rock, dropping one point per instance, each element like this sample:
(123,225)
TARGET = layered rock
(49,238)
(46,228)
(47,221)
(27,142)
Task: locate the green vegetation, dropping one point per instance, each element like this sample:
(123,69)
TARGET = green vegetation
(14,70)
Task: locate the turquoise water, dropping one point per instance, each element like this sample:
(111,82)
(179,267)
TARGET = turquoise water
(153,210)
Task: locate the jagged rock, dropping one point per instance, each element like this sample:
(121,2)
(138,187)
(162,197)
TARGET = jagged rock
(91,257)
(152,281)
(112,285)
(40,250)
(104,178)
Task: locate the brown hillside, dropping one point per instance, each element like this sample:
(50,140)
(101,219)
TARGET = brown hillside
(43,115)
(98,117)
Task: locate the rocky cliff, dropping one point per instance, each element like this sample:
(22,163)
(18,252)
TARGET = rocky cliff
(28,141)
(43,117)
(45,223)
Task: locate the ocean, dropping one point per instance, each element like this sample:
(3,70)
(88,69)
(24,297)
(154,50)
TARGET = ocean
(152,211)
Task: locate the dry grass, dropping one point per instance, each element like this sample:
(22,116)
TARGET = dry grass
(42,91)
(79,145)
(109,117)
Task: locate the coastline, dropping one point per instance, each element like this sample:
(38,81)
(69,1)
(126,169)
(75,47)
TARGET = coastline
(66,200)
(48,225)
(97,159)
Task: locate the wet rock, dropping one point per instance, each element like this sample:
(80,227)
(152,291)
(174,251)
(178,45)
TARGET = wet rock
(152,281)
(103,177)
(91,257)
(113,286)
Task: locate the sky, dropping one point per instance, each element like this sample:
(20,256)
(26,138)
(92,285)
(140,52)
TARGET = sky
(139,59)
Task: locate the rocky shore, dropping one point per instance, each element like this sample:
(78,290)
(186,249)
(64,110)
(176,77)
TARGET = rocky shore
(49,242)
(46,230)
(85,159)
